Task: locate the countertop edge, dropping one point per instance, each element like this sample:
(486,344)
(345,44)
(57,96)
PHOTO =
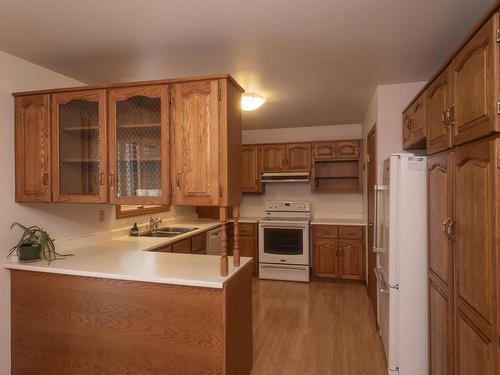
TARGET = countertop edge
(113,276)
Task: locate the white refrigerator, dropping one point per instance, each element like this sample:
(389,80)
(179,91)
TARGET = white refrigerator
(401,272)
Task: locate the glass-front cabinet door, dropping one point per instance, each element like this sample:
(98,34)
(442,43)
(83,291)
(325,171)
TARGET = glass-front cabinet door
(139,138)
(79,144)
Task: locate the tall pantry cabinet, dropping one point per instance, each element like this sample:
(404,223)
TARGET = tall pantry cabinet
(462,118)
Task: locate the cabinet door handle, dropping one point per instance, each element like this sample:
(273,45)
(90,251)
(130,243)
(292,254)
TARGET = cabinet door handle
(178,180)
(112,180)
(451,115)
(45,178)
(101,179)
(445,225)
(449,229)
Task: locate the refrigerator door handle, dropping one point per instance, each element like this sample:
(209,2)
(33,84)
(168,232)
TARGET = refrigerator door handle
(376,248)
(382,286)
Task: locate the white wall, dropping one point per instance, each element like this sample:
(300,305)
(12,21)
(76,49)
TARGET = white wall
(60,220)
(335,205)
(386,110)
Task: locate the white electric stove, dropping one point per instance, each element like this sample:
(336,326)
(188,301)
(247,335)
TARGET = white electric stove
(284,252)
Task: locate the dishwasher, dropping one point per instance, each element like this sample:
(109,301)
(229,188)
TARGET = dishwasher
(214,241)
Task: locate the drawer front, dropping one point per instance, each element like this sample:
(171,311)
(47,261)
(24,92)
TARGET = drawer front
(351,233)
(163,249)
(326,231)
(199,244)
(183,247)
(246,229)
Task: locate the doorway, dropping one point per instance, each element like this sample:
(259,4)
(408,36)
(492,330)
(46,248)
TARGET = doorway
(371,167)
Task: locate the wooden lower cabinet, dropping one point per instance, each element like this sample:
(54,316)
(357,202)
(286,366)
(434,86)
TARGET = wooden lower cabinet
(192,245)
(464,288)
(338,252)
(248,242)
(351,259)
(326,262)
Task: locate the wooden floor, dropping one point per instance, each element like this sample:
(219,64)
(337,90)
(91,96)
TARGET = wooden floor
(314,328)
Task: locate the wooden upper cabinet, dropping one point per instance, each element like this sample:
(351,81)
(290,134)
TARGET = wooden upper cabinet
(273,158)
(195,136)
(437,113)
(440,216)
(406,131)
(250,169)
(79,147)
(474,86)
(139,145)
(32,133)
(476,257)
(414,124)
(324,150)
(298,157)
(346,149)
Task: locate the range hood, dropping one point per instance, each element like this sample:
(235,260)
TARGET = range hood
(285,177)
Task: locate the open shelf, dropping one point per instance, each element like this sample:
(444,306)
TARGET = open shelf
(337,176)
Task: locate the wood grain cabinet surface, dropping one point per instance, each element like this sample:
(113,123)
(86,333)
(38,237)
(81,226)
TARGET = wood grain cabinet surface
(139,145)
(298,157)
(250,169)
(133,146)
(475,86)
(195,157)
(248,242)
(79,147)
(461,103)
(440,214)
(464,293)
(338,252)
(438,113)
(414,125)
(324,150)
(206,142)
(33,153)
(273,158)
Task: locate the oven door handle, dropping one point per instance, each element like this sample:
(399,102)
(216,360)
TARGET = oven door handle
(283,267)
(284,226)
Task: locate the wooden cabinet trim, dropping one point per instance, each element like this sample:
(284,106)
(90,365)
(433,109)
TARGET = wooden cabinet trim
(57,99)
(124,93)
(36,188)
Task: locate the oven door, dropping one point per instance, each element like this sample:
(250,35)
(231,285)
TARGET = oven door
(284,243)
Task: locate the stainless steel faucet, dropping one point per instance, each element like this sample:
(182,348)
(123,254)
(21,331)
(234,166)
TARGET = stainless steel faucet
(153,223)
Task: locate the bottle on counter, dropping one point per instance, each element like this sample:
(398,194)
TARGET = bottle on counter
(135,230)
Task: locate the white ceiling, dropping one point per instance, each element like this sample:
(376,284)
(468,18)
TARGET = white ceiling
(316,61)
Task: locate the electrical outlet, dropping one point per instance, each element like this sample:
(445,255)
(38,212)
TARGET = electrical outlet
(101,216)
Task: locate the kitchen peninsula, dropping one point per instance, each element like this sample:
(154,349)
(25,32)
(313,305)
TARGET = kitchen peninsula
(115,307)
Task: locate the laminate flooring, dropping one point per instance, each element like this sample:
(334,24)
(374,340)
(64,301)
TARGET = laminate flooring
(317,328)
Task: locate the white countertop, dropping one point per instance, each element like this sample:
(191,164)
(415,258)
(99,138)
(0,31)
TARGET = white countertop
(126,258)
(247,219)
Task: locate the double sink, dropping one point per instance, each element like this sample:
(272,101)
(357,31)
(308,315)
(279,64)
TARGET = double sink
(168,232)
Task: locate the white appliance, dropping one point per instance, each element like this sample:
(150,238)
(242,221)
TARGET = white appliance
(401,246)
(214,241)
(284,241)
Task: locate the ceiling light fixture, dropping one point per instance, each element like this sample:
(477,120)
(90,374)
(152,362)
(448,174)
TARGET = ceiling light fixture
(250,102)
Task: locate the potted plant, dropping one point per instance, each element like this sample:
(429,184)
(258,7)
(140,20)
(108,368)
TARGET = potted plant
(34,244)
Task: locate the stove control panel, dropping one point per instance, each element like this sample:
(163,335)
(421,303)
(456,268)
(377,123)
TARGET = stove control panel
(288,206)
